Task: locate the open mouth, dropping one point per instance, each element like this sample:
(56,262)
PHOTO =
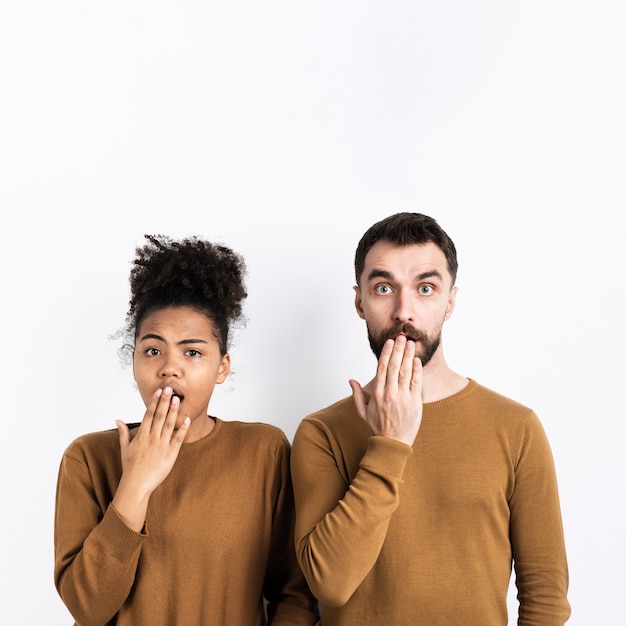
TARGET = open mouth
(177,393)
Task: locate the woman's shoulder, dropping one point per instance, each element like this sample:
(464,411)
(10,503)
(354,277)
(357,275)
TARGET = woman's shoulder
(258,442)
(259,430)
(94,445)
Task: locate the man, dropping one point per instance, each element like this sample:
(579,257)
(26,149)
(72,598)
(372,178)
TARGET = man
(415,495)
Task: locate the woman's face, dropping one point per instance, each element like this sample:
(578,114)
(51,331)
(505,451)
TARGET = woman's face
(176,347)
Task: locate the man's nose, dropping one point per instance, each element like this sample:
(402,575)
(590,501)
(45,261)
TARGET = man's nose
(404,310)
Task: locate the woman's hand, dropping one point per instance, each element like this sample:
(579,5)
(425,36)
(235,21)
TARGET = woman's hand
(148,456)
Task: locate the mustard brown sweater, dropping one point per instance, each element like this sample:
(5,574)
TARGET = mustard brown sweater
(391,535)
(218,537)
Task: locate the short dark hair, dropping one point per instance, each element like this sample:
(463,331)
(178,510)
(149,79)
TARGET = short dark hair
(190,272)
(404,229)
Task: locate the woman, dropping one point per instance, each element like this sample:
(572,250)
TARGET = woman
(182,518)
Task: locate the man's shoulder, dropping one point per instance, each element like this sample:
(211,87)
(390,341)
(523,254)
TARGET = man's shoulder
(488,405)
(343,409)
(336,421)
(498,399)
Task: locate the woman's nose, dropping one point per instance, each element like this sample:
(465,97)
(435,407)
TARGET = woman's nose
(170,368)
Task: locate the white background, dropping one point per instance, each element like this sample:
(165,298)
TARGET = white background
(285,129)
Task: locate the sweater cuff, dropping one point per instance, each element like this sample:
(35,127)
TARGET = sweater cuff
(116,538)
(386,455)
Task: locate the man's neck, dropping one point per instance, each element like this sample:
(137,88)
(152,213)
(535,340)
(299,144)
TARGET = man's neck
(441,382)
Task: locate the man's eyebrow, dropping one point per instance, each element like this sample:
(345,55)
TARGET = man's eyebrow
(376,273)
(430,274)
(180,343)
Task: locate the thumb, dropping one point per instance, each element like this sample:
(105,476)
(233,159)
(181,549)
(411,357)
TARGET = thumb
(124,433)
(359,397)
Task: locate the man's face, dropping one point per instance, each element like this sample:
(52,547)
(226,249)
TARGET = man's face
(405,290)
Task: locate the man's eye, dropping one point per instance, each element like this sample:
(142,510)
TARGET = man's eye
(426,290)
(152,351)
(382,289)
(193,352)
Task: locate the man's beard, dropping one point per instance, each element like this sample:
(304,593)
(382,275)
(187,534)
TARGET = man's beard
(429,345)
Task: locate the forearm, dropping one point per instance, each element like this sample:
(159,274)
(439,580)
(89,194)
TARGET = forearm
(543,596)
(541,572)
(537,534)
(131,504)
(289,600)
(95,581)
(339,532)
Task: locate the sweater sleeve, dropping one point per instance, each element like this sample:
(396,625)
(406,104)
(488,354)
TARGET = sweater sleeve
(537,534)
(96,554)
(341,527)
(290,602)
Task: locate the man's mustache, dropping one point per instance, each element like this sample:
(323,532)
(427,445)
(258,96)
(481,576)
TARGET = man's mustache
(403,329)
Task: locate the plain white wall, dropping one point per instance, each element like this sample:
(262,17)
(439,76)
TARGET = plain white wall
(284,129)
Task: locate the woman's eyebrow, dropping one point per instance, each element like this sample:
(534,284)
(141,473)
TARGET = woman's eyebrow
(152,336)
(180,343)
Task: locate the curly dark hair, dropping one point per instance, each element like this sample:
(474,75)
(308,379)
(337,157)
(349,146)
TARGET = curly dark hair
(404,229)
(190,272)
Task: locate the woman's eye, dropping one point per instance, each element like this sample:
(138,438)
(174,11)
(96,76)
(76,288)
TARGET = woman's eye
(152,351)
(193,352)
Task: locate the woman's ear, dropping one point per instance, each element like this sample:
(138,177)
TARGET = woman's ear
(224,369)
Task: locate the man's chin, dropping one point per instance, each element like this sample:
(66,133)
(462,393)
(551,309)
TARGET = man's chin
(424,349)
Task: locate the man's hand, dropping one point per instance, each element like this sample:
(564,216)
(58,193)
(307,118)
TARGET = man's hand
(395,407)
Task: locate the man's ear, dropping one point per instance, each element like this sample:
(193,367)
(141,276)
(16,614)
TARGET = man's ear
(358,303)
(451,303)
